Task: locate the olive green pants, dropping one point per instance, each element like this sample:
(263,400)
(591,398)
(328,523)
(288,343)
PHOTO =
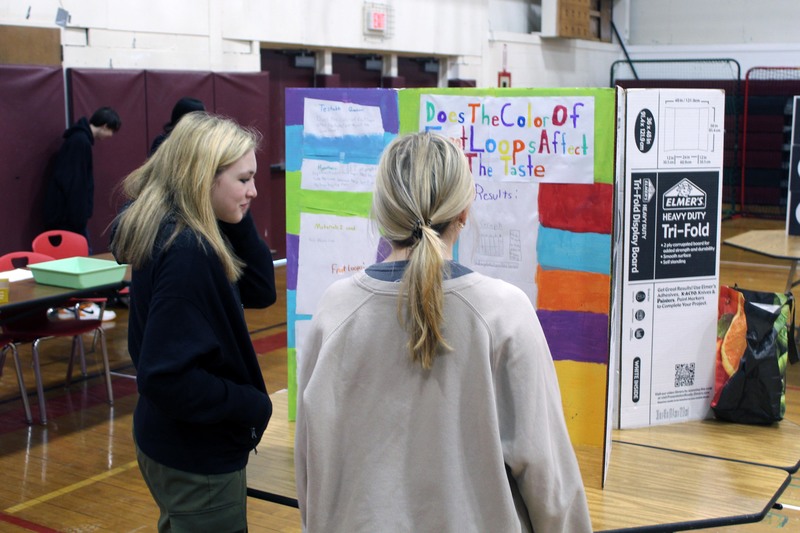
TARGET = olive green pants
(193,503)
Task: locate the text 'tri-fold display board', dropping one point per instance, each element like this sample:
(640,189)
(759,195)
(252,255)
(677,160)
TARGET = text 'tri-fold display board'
(543,163)
(673,153)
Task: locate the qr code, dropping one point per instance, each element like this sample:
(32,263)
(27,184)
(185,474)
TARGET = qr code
(684,374)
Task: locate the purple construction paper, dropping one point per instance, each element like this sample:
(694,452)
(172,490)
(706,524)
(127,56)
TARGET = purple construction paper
(292,254)
(575,336)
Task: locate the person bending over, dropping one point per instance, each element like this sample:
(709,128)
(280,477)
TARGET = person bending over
(69,193)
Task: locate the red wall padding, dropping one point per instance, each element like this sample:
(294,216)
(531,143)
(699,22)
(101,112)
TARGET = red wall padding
(31,124)
(33,120)
(144,100)
(245,98)
(114,158)
(165,87)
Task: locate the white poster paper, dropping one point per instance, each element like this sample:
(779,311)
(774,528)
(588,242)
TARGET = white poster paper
(499,239)
(326,118)
(331,247)
(322,175)
(514,138)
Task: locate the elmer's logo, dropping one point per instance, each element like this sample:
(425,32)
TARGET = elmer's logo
(685,195)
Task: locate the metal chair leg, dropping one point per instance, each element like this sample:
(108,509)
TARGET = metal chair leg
(79,341)
(94,341)
(39,387)
(71,363)
(23,391)
(106,367)
(77,348)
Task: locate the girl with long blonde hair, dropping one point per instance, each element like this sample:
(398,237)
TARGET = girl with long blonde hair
(427,396)
(197,259)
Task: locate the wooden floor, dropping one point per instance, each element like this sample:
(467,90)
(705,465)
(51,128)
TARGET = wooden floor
(79,472)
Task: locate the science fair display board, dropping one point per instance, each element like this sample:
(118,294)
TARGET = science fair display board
(673,155)
(543,163)
(793,202)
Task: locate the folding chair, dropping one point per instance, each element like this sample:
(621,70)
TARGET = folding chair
(37,327)
(60,244)
(33,328)
(13,260)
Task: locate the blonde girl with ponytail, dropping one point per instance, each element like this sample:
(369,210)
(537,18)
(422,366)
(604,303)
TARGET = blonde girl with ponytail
(423,192)
(427,397)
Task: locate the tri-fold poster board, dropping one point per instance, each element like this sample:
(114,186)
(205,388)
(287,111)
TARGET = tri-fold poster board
(793,201)
(547,201)
(673,153)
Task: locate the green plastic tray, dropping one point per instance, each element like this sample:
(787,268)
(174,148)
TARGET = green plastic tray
(78,272)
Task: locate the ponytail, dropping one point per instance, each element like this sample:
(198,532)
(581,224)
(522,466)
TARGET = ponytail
(422,282)
(423,185)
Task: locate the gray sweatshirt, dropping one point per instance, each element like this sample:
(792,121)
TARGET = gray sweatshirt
(477,443)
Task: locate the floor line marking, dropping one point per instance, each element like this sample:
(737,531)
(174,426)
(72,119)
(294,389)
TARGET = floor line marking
(71,488)
(25,524)
(754,265)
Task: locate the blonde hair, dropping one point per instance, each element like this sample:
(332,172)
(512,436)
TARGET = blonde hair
(176,182)
(422,186)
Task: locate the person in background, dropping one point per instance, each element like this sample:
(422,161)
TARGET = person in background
(183,106)
(427,397)
(197,260)
(69,193)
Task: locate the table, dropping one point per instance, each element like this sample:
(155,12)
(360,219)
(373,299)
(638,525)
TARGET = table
(26,295)
(771,243)
(776,445)
(651,489)
(31,300)
(270,471)
(647,488)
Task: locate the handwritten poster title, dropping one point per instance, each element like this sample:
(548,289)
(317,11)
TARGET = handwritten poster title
(534,139)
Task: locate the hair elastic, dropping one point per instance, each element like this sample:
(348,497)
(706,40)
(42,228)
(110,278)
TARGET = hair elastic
(416,233)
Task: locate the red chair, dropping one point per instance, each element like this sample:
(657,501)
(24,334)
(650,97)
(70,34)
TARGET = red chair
(36,327)
(13,260)
(6,344)
(60,244)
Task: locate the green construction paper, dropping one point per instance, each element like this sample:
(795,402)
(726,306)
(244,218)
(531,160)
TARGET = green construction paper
(292,204)
(356,204)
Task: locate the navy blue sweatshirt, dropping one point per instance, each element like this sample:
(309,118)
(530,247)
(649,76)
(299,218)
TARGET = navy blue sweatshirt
(69,195)
(203,405)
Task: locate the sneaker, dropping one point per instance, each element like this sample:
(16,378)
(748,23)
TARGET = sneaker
(87,311)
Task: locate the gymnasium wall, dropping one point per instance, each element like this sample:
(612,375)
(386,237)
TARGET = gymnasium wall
(32,111)
(144,100)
